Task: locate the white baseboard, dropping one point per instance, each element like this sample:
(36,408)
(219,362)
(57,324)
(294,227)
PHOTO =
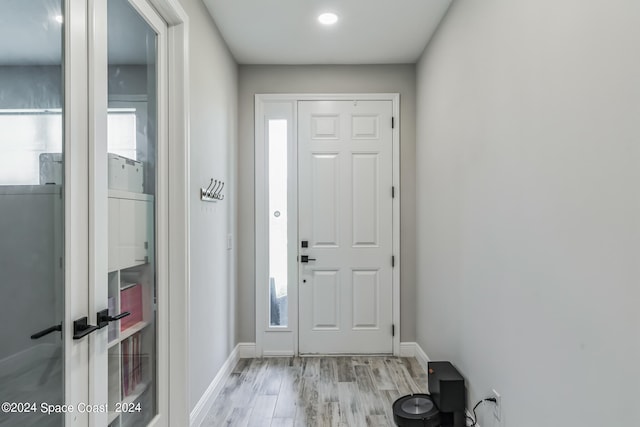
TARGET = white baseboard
(408,349)
(276,353)
(422,357)
(206,401)
(413,349)
(247,350)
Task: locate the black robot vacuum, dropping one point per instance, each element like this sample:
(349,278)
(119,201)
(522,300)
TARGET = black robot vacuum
(444,407)
(416,410)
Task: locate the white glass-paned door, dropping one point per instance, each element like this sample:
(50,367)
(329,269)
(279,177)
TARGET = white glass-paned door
(32,291)
(132,163)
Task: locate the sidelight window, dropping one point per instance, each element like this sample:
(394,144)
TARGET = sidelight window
(278,242)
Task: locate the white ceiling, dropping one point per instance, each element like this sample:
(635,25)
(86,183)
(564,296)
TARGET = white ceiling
(288,32)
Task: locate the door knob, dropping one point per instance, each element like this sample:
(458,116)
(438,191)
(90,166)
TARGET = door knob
(46,331)
(82,328)
(305,258)
(104,318)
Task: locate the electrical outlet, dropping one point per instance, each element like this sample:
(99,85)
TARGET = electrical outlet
(497,407)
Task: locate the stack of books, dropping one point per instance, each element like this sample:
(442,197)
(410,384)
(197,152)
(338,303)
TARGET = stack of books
(131,364)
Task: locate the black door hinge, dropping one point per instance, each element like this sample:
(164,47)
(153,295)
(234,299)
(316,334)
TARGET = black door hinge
(393,261)
(393,192)
(393,122)
(393,330)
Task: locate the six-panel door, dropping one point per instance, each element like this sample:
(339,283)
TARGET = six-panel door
(345,213)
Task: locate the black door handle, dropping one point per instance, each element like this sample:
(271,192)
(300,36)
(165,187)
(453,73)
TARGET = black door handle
(305,258)
(47,331)
(104,318)
(82,328)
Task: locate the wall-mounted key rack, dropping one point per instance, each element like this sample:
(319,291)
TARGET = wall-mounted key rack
(213,192)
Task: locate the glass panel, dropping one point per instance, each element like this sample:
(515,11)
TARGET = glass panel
(31,210)
(278,281)
(132,124)
(121,123)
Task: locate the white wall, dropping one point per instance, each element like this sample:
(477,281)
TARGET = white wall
(324,79)
(529,206)
(213,94)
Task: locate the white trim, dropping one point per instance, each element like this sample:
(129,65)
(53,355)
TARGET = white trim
(247,350)
(174,299)
(421,357)
(413,349)
(276,353)
(178,211)
(260,219)
(206,401)
(270,338)
(76,206)
(396,222)
(408,349)
(284,97)
(98,203)
(261,226)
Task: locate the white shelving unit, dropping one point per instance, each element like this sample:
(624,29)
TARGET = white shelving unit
(131,263)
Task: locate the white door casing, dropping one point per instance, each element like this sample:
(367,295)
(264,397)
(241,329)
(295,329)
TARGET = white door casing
(285,341)
(345,178)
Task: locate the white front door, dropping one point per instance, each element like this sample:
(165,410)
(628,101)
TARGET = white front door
(345,178)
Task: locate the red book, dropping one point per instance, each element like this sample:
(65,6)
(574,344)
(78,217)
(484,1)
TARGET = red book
(131,301)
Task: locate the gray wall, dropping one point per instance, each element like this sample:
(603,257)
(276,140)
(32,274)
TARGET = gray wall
(529,209)
(128,79)
(324,79)
(32,86)
(41,86)
(213,94)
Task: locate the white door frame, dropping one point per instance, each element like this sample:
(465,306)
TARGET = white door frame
(83,123)
(272,341)
(174,299)
(76,206)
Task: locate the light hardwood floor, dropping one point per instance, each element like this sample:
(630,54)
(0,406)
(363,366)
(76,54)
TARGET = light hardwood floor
(315,392)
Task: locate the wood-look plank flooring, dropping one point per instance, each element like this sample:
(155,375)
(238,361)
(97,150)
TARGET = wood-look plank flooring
(315,392)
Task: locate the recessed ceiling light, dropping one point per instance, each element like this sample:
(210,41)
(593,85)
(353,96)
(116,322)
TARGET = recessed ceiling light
(328,18)
(58,18)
